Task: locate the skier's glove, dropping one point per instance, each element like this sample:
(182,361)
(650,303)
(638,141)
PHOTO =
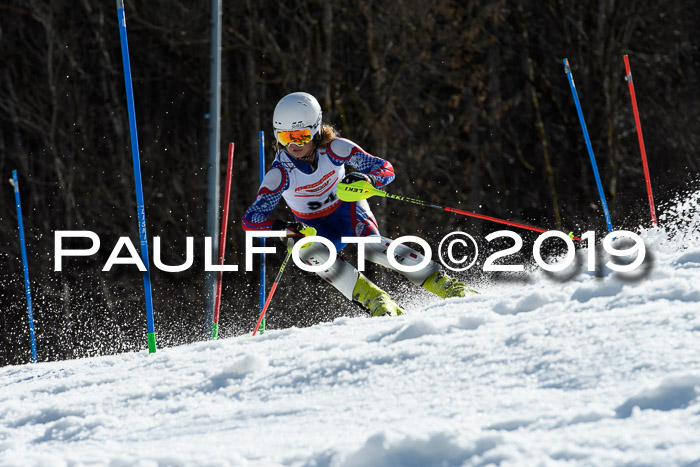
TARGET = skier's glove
(294,230)
(356,176)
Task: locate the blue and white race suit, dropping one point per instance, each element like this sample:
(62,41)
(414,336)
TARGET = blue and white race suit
(310,192)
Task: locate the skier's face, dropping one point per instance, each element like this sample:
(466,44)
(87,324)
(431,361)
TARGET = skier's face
(300,152)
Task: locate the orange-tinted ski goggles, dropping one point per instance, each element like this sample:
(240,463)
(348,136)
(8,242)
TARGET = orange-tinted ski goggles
(298,137)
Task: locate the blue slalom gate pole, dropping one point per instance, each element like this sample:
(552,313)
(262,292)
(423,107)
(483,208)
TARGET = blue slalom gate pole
(567,70)
(261,151)
(141,210)
(15,183)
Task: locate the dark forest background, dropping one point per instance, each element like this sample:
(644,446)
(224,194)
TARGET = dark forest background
(467,99)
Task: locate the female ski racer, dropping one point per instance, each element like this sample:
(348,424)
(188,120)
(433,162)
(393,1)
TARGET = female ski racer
(309,163)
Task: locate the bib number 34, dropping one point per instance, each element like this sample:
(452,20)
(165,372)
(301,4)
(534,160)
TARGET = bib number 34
(316,205)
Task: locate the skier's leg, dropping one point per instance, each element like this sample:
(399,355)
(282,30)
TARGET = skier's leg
(432,277)
(348,280)
(404,255)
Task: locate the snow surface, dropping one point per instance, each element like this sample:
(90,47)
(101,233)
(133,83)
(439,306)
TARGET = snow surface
(586,371)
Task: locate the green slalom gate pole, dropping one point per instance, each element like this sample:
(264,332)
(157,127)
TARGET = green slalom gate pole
(361,189)
(222,243)
(141,210)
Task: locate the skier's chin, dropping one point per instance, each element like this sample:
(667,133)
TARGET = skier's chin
(298,153)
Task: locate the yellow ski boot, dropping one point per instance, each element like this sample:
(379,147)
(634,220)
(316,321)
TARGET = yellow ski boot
(374,299)
(445,286)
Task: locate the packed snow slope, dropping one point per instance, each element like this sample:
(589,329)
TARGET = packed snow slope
(593,370)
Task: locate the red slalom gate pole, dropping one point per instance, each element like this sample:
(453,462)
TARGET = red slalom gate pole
(361,189)
(222,242)
(467,213)
(633,97)
(501,221)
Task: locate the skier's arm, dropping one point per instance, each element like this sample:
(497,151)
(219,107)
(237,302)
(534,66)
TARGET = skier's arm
(257,215)
(343,151)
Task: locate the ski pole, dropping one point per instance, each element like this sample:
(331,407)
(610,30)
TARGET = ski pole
(361,189)
(222,242)
(567,70)
(140,209)
(637,122)
(274,285)
(15,183)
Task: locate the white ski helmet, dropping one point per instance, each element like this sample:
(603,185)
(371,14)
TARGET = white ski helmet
(297,111)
